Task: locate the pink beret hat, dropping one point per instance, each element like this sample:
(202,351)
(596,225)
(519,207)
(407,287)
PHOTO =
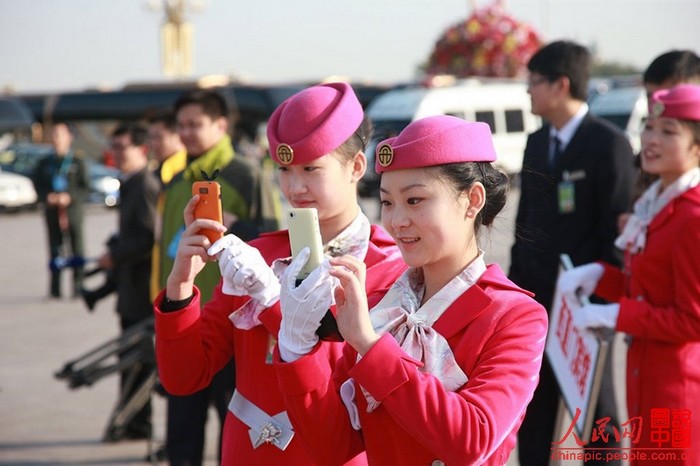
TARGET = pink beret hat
(313,122)
(436,140)
(682,102)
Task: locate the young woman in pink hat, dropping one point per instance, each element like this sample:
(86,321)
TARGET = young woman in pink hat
(442,367)
(317,138)
(657,297)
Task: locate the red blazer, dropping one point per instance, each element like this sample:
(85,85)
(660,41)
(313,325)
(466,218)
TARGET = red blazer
(497,333)
(660,310)
(192,346)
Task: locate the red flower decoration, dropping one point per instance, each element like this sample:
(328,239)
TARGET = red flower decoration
(488,43)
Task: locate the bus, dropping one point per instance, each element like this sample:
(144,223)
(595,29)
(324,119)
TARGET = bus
(93,114)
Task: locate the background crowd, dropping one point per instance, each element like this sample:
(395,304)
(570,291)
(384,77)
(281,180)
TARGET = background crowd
(583,192)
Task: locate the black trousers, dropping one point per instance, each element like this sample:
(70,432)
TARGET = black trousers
(57,237)
(132,378)
(187,418)
(536,434)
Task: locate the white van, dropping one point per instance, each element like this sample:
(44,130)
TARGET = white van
(627,108)
(504,105)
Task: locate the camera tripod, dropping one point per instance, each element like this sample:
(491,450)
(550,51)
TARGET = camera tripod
(126,354)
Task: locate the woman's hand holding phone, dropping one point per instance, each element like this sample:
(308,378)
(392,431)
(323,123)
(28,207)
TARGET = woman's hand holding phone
(352,314)
(305,232)
(191,253)
(303,306)
(209,207)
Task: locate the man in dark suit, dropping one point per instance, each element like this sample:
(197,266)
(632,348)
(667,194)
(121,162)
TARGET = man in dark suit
(576,179)
(129,256)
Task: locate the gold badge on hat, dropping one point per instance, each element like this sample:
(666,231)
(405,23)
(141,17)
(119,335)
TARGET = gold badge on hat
(385,155)
(285,154)
(657,109)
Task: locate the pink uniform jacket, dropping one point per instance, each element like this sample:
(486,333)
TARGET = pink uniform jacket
(660,311)
(497,333)
(191,346)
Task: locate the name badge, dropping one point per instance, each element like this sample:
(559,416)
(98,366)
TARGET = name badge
(59,183)
(575,175)
(567,197)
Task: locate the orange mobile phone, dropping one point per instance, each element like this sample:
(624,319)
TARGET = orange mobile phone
(209,206)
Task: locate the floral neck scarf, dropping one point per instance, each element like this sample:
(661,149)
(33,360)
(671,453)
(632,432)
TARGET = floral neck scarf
(400,314)
(634,235)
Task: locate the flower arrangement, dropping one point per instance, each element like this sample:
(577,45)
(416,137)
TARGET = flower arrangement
(488,43)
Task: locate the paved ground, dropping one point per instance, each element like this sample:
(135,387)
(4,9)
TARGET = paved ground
(42,421)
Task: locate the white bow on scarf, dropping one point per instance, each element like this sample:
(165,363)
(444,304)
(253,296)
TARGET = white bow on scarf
(400,314)
(634,235)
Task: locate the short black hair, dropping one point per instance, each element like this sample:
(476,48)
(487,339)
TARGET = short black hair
(678,66)
(213,104)
(137,132)
(166,118)
(564,59)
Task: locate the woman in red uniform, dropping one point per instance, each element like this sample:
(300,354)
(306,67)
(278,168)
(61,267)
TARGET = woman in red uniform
(317,137)
(441,369)
(657,297)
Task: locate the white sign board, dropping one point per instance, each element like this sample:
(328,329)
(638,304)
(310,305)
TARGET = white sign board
(577,358)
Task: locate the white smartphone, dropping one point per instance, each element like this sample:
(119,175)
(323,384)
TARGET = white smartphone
(304,231)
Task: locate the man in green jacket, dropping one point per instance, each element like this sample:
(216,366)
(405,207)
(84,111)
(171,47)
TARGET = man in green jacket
(202,123)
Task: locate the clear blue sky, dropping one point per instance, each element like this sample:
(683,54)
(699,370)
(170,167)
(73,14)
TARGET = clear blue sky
(74,44)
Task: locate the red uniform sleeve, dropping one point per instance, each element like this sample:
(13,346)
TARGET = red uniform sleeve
(680,321)
(310,386)
(271,318)
(193,344)
(466,426)
(463,427)
(611,286)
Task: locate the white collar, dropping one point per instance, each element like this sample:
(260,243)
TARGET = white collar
(566,133)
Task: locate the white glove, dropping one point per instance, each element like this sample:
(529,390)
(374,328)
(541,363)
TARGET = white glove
(580,282)
(244,271)
(303,307)
(596,316)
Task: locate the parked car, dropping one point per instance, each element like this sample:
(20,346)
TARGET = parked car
(104,184)
(503,104)
(22,159)
(627,108)
(16,192)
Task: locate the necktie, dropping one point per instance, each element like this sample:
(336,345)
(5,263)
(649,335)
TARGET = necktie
(555,151)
